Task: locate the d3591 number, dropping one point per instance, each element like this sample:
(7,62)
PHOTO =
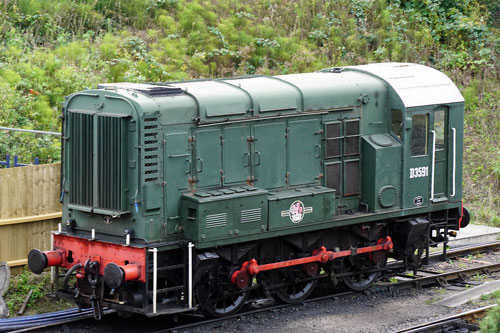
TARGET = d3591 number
(419,172)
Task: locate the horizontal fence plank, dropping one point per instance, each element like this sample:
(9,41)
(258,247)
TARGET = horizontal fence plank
(29,211)
(33,218)
(20,262)
(16,240)
(29,190)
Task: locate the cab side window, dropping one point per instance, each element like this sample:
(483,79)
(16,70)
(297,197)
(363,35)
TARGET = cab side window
(439,128)
(419,137)
(396,122)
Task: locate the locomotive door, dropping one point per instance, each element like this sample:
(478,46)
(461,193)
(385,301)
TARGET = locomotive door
(439,142)
(426,176)
(208,164)
(269,155)
(304,151)
(177,160)
(417,173)
(236,154)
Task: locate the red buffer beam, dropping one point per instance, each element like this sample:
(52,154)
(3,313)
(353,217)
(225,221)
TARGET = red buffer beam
(241,277)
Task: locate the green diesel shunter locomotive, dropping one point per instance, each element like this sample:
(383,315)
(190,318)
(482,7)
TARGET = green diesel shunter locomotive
(191,195)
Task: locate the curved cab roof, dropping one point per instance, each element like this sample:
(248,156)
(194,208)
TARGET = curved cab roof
(336,88)
(415,84)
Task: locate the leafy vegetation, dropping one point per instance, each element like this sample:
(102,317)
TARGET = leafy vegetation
(20,286)
(491,324)
(50,49)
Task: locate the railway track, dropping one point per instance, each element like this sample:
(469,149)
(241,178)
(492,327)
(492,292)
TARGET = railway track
(441,279)
(465,320)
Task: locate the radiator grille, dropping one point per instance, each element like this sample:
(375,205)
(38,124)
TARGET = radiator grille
(80,144)
(352,177)
(111,154)
(151,149)
(216,220)
(333,177)
(251,215)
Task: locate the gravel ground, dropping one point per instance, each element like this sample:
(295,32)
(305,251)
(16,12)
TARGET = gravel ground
(375,313)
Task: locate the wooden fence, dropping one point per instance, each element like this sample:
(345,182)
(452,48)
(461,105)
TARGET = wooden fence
(29,211)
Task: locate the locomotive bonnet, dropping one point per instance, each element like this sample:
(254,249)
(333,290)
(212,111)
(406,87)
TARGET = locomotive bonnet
(190,196)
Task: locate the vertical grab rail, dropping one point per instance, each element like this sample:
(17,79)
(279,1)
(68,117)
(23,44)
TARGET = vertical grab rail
(433,162)
(454,131)
(190,274)
(155,275)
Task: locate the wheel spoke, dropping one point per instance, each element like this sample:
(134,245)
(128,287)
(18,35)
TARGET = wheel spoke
(360,280)
(297,291)
(219,297)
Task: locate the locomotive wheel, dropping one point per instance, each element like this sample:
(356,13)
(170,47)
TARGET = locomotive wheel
(219,297)
(361,280)
(295,292)
(224,303)
(126,296)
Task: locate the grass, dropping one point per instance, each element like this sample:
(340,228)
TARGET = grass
(40,300)
(491,296)
(491,324)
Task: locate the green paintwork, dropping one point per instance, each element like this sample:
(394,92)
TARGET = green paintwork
(318,203)
(381,166)
(265,132)
(225,214)
(269,164)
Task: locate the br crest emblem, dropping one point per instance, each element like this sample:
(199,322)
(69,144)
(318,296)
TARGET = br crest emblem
(297,211)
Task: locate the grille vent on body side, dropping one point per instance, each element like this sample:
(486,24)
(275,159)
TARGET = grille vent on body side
(251,215)
(81,144)
(216,220)
(151,150)
(111,159)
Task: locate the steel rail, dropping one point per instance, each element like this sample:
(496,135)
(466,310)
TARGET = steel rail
(471,316)
(465,250)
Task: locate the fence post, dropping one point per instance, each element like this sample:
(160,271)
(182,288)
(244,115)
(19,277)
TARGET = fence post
(16,161)
(7,161)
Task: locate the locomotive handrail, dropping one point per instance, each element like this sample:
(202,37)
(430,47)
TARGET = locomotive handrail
(190,274)
(454,131)
(155,275)
(433,162)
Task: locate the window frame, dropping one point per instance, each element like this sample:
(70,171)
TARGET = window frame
(413,138)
